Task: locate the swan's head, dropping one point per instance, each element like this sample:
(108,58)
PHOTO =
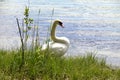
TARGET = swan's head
(58,22)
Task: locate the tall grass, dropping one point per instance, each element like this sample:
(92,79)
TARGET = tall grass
(44,66)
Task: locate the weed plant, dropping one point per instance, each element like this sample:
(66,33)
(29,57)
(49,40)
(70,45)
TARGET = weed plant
(42,65)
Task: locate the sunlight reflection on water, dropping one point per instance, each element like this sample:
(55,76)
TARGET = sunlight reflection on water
(90,25)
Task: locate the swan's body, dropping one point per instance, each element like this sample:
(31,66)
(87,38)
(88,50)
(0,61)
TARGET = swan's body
(58,45)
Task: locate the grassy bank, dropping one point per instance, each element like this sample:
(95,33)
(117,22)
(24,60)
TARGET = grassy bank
(40,65)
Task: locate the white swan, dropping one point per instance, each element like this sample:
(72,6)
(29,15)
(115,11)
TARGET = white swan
(58,45)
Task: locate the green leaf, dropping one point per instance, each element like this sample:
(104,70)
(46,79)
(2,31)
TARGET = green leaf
(26,20)
(26,12)
(29,27)
(30,20)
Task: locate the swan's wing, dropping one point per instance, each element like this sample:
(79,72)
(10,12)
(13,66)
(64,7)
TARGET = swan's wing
(45,46)
(58,48)
(64,39)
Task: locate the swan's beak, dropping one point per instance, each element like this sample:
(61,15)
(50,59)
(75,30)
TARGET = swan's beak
(62,26)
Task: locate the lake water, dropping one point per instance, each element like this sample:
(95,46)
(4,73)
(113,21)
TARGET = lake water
(91,25)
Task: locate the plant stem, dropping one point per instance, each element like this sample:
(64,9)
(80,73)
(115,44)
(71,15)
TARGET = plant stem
(21,42)
(51,21)
(37,32)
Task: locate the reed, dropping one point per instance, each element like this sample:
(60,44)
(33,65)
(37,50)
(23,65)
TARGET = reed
(24,34)
(37,43)
(22,42)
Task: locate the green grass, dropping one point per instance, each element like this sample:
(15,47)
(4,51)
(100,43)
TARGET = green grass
(40,65)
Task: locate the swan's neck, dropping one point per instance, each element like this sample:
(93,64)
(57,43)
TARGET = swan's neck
(53,36)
